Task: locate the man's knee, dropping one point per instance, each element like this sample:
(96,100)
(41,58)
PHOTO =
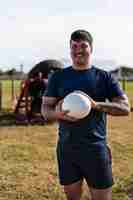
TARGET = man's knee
(73,196)
(101,194)
(73,191)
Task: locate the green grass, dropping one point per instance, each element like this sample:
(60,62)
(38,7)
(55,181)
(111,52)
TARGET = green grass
(121,140)
(129,90)
(28,169)
(7,94)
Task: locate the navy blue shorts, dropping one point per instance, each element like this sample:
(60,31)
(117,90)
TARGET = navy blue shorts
(93,164)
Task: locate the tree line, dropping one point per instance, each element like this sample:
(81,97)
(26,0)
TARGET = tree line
(12,74)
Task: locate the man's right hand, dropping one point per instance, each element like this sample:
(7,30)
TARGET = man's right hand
(62,114)
(52,112)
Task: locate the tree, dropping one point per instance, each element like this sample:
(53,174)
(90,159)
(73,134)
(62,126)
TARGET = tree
(10,72)
(1,72)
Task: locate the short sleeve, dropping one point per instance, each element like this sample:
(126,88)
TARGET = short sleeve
(51,90)
(113,88)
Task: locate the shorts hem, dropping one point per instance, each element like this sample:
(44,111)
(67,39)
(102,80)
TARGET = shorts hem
(102,186)
(70,182)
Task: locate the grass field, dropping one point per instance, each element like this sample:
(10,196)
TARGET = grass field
(7,96)
(28,162)
(28,169)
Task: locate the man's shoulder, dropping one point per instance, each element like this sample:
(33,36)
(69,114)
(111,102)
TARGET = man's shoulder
(59,74)
(67,69)
(99,70)
(63,71)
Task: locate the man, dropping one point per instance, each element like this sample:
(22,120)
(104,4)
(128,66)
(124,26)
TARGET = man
(82,150)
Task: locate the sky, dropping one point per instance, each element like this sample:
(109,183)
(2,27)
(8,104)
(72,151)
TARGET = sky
(35,30)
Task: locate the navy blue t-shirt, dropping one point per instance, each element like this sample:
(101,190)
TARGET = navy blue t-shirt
(96,83)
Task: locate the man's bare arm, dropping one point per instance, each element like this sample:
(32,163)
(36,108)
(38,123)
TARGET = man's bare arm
(118,107)
(48,107)
(51,110)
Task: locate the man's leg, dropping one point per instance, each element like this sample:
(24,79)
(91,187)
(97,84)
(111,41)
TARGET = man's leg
(100,178)
(73,191)
(101,194)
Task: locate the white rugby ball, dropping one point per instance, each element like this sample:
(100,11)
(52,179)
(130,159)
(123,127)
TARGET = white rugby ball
(78,104)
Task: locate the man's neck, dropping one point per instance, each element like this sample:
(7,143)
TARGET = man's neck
(80,68)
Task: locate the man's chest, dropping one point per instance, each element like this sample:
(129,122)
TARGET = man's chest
(92,86)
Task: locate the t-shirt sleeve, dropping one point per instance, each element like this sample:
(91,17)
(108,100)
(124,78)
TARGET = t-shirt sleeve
(51,90)
(113,87)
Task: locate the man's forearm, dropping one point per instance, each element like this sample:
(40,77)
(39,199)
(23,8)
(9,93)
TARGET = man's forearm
(48,113)
(113,108)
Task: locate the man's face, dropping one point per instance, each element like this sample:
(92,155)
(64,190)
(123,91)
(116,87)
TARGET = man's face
(80,53)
